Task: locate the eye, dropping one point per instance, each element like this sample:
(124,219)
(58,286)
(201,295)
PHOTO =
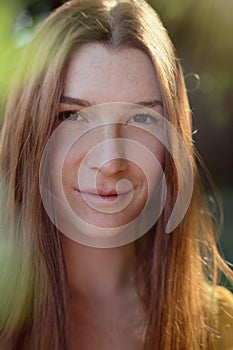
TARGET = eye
(70,115)
(143,118)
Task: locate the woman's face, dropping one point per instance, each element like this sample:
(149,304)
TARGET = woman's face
(106,171)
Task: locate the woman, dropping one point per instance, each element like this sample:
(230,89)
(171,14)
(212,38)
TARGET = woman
(157,291)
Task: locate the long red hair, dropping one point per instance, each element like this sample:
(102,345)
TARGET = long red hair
(173,269)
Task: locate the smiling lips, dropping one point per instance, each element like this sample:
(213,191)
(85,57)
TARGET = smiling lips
(99,195)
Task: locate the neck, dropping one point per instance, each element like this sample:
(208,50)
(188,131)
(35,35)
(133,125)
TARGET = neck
(98,274)
(103,296)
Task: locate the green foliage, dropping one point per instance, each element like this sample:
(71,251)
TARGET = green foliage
(17,27)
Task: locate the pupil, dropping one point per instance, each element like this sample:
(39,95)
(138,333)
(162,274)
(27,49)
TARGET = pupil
(73,116)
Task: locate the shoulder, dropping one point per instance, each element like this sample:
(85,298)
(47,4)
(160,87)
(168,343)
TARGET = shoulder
(223,313)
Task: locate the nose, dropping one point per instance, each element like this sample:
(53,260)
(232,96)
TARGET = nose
(108,154)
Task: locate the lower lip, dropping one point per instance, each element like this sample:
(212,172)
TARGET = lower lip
(109,198)
(101,199)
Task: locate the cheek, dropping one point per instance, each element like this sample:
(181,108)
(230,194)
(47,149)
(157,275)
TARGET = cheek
(159,153)
(148,151)
(72,163)
(145,138)
(153,162)
(64,164)
(156,171)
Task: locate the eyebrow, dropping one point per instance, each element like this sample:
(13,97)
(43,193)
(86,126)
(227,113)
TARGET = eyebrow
(74,101)
(152,103)
(84,103)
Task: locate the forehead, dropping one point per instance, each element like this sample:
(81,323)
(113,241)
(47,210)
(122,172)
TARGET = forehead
(99,73)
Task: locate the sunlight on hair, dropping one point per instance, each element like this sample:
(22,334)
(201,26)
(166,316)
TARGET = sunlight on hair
(15,308)
(111,3)
(11,313)
(49,282)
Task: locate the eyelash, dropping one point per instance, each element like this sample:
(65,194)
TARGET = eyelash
(73,115)
(148,116)
(64,115)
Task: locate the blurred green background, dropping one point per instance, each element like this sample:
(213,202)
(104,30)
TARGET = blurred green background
(202,34)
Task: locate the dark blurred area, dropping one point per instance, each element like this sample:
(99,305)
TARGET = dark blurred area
(202,34)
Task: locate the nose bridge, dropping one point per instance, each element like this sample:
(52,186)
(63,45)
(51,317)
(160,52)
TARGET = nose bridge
(108,156)
(109,131)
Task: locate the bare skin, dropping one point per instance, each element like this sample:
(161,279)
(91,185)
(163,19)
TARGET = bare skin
(104,304)
(105,310)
